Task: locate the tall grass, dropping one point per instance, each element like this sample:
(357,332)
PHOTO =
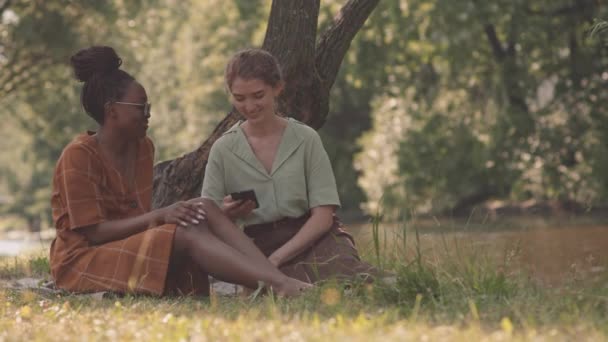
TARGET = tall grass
(29,265)
(459,280)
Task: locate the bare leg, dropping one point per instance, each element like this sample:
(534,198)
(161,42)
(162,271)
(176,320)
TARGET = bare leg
(230,234)
(226,263)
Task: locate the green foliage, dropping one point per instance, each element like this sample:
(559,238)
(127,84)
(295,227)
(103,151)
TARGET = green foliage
(36,266)
(40,265)
(38,35)
(415,282)
(176,50)
(494,99)
(461,101)
(39,97)
(186,47)
(53,122)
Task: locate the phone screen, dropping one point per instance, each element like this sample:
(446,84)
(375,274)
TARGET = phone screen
(245,195)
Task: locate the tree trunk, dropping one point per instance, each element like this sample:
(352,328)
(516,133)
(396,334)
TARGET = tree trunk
(310,67)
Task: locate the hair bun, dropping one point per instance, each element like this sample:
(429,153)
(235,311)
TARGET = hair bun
(94,60)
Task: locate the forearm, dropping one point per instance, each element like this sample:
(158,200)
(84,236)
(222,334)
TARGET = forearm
(318,224)
(119,229)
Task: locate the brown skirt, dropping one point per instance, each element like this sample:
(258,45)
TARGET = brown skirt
(332,256)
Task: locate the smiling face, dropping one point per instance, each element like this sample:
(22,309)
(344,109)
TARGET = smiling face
(130,119)
(254,98)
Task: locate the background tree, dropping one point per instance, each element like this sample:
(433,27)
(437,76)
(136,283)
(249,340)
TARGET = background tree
(186,45)
(310,66)
(38,95)
(437,106)
(503,101)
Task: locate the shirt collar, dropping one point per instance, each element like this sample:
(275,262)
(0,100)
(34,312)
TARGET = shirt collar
(290,142)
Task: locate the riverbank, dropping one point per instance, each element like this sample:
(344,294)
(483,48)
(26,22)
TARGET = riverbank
(463,298)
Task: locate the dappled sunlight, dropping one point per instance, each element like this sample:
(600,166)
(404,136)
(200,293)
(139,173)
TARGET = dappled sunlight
(330,296)
(456,283)
(34,317)
(474,133)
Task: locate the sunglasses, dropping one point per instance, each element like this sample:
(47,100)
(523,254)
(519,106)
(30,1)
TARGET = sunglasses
(146,106)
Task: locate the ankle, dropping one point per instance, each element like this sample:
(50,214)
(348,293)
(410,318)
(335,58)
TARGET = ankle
(279,283)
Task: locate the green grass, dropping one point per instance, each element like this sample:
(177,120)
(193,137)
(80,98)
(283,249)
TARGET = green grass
(459,294)
(34,265)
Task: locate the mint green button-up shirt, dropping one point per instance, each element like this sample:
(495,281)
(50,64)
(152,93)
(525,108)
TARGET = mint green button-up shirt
(301,176)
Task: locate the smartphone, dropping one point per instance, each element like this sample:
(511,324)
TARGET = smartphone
(245,195)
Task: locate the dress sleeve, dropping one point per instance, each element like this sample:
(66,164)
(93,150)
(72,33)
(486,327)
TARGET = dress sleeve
(213,182)
(77,179)
(320,180)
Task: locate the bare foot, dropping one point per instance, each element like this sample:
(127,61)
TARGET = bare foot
(291,287)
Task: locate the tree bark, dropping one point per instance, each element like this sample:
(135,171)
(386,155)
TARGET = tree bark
(290,36)
(309,69)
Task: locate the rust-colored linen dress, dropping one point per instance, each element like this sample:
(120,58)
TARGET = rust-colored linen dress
(87,190)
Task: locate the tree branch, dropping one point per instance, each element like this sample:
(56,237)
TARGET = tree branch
(513,32)
(173,179)
(490,31)
(494,41)
(20,70)
(290,37)
(333,44)
(309,71)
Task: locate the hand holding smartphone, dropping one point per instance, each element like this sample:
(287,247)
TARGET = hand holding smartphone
(245,195)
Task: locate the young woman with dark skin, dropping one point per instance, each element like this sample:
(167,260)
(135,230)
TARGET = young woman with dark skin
(108,239)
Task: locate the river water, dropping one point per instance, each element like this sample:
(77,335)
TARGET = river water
(551,253)
(10,248)
(547,251)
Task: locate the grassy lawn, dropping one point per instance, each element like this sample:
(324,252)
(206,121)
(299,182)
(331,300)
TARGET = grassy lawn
(458,297)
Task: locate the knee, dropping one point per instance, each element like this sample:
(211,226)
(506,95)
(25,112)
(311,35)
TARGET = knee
(211,208)
(182,241)
(186,237)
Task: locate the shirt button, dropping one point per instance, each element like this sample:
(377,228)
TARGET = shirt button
(133,204)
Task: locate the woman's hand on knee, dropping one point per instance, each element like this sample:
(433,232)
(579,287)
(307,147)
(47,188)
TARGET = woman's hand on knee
(183,213)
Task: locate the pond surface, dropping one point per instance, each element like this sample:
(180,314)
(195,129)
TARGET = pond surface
(16,242)
(16,247)
(549,253)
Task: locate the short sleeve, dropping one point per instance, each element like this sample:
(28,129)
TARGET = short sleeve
(213,182)
(321,183)
(77,180)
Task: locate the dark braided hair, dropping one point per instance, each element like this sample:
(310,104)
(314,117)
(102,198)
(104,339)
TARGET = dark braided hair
(98,67)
